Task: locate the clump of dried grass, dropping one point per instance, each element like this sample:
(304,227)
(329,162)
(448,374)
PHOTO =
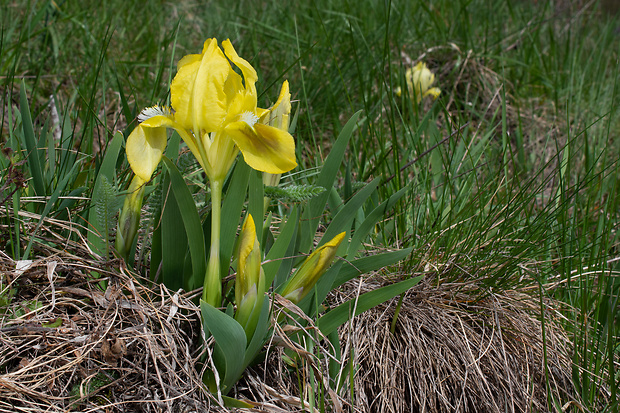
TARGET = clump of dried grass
(452,354)
(135,347)
(68,345)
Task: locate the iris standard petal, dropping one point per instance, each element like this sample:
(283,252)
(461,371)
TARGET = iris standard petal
(278,114)
(264,148)
(249,74)
(144,149)
(197,90)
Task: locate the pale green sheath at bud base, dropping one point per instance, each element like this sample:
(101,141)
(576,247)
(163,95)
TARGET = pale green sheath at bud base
(129,218)
(250,280)
(311,270)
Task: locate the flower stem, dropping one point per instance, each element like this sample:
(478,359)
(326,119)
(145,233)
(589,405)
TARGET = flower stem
(212,288)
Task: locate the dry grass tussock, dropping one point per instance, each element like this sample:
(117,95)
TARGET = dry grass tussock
(68,345)
(451,354)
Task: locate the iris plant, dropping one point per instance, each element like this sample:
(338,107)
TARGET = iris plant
(214,110)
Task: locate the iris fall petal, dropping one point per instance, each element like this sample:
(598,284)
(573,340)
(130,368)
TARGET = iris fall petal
(145,146)
(264,148)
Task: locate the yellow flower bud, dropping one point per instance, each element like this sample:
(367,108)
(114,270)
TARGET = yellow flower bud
(311,270)
(250,280)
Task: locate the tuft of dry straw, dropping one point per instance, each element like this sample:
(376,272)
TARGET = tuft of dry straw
(67,344)
(449,353)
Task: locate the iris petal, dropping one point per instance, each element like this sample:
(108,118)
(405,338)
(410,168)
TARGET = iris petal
(145,146)
(197,90)
(264,148)
(188,137)
(249,74)
(278,114)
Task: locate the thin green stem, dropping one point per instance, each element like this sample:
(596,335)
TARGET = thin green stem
(212,289)
(396,313)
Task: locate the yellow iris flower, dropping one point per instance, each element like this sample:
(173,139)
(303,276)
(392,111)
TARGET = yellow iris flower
(419,81)
(214,110)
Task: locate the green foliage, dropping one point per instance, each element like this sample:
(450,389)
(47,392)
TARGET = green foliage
(6,295)
(344,312)
(188,214)
(34,154)
(230,344)
(105,201)
(90,387)
(105,207)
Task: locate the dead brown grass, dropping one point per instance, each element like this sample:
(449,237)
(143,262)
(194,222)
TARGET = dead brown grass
(68,345)
(451,354)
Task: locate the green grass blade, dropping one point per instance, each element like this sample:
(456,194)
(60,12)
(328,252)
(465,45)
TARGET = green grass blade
(344,218)
(33,155)
(366,264)
(344,312)
(281,247)
(372,219)
(51,158)
(47,209)
(326,179)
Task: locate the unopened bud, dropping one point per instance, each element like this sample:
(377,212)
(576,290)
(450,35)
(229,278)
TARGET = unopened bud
(311,270)
(250,280)
(129,219)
